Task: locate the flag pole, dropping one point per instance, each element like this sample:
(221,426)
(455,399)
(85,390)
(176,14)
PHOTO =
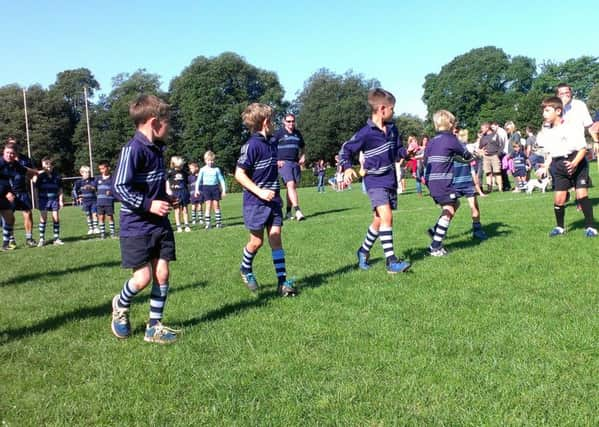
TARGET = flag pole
(89,135)
(28,144)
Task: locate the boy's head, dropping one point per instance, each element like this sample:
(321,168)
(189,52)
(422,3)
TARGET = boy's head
(289,122)
(194,168)
(47,164)
(258,118)
(177,162)
(552,109)
(150,111)
(382,102)
(463,135)
(85,171)
(104,167)
(516,146)
(209,158)
(564,92)
(9,153)
(443,120)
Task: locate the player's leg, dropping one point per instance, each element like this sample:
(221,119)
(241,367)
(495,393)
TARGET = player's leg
(155,331)
(178,218)
(121,302)
(111,226)
(385,213)
(448,210)
(8,222)
(101,223)
(285,287)
(42,227)
(95,219)
(208,204)
(56,228)
(250,251)
(217,213)
(185,212)
(477,229)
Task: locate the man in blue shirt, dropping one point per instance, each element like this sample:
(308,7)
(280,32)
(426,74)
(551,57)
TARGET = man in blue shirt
(146,236)
(290,156)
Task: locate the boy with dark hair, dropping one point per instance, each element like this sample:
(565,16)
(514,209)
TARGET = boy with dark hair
(262,205)
(105,199)
(146,236)
(439,157)
(566,146)
(49,195)
(379,141)
(84,191)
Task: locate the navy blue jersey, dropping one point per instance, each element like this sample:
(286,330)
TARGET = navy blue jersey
(519,159)
(8,172)
(49,185)
(140,178)
(381,150)
(191,182)
(289,145)
(462,174)
(177,179)
(258,159)
(104,190)
(438,158)
(85,189)
(19,182)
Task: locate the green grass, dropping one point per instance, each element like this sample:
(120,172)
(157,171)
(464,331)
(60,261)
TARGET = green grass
(502,332)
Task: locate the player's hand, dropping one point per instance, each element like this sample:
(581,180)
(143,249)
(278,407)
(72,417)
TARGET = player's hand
(160,207)
(267,195)
(223,194)
(280,163)
(10,197)
(196,194)
(571,167)
(349,175)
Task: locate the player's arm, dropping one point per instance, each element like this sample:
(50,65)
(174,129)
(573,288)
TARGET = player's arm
(244,180)
(221,180)
(123,185)
(349,149)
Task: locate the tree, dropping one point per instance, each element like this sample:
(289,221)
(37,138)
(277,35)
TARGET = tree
(593,99)
(580,74)
(482,84)
(331,108)
(408,124)
(70,83)
(208,98)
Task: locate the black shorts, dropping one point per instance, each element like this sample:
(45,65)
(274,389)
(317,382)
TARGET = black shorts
(564,181)
(105,209)
(137,251)
(22,202)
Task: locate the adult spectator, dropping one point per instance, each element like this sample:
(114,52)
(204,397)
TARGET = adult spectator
(291,157)
(506,148)
(575,111)
(491,147)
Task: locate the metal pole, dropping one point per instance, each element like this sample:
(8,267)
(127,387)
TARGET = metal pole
(28,144)
(89,135)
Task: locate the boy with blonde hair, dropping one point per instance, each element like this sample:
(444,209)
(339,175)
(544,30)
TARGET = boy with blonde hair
(213,187)
(566,146)
(257,172)
(379,140)
(438,158)
(50,198)
(146,237)
(84,191)
(176,187)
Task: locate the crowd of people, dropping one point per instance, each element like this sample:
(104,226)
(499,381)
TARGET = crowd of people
(448,164)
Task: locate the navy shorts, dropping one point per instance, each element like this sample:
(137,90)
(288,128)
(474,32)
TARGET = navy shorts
(381,197)
(449,198)
(211,192)
(137,251)
(520,172)
(5,204)
(182,196)
(258,217)
(89,207)
(48,205)
(105,209)
(193,199)
(564,181)
(465,192)
(290,171)
(22,202)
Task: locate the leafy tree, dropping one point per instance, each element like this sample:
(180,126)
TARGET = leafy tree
(70,83)
(208,98)
(408,124)
(331,109)
(580,73)
(593,99)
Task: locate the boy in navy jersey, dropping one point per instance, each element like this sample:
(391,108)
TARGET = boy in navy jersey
(380,142)
(438,158)
(85,193)
(196,200)
(521,167)
(262,205)
(176,187)
(146,236)
(49,194)
(105,199)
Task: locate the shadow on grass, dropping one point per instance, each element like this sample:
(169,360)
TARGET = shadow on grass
(80,313)
(46,274)
(329,212)
(263,297)
(493,230)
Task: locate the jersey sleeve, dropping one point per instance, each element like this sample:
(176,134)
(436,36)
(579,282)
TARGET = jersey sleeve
(123,181)
(348,149)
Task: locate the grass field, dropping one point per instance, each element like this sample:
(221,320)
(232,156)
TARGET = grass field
(504,332)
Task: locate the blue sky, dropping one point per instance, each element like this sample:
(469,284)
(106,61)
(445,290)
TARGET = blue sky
(396,42)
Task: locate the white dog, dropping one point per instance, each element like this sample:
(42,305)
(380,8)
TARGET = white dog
(540,182)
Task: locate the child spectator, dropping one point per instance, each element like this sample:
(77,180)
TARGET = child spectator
(212,183)
(196,200)
(320,171)
(105,203)
(380,142)
(146,236)
(566,146)
(438,157)
(49,194)
(521,165)
(176,187)
(257,172)
(85,192)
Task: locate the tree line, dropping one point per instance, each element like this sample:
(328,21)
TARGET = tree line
(208,96)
